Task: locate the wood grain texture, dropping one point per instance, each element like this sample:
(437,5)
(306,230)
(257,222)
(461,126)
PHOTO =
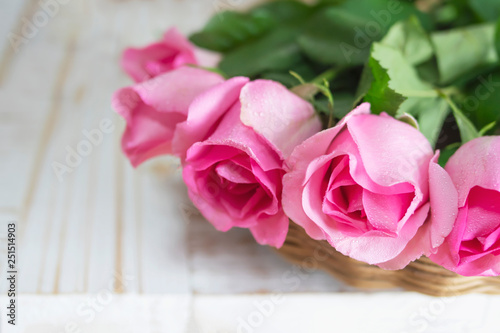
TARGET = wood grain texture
(105,221)
(129,241)
(381,313)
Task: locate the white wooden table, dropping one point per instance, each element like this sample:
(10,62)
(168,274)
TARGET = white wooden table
(106,248)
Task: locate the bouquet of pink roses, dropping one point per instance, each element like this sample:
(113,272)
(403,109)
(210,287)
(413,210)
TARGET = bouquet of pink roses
(371,124)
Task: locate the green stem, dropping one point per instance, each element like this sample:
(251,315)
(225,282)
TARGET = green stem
(330,116)
(327,75)
(323,80)
(450,91)
(467,129)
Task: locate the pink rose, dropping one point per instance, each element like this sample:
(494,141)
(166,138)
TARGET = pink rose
(366,186)
(172,52)
(152,110)
(240,132)
(473,246)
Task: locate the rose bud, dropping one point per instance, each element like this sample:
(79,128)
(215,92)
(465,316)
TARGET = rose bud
(172,52)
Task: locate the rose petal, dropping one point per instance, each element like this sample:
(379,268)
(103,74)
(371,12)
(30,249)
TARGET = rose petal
(279,116)
(481,155)
(374,249)
(472,247)
(484,212)
(385,211)
(413,250)
(271,230)
(492,239)
(234,173)
(175,40)
(383,144)
(153,109)
(204,112)
(447,255)
(444,204)
(213,213)
(297,165)
(150,61)
(248,209)
(207,58)
(232,133)
(489,265)
(319,143)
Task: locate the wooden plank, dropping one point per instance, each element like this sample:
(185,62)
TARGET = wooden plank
(101,312)
(349,313)
(13,31)
(164,262)
(104,219)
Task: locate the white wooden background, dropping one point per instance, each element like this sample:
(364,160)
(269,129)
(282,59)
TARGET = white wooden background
(129,239)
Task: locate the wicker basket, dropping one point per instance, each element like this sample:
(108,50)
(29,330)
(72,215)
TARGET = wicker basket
(421,275)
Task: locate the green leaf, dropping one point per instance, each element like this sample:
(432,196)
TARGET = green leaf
(462,51)
(227,30)
(393,80)
(468,131)
(456,13)
(482,99)
(334,37)
(408,119)
(430,113)
(383,14)
(275,52)
(411,39)
(343,104)
(380,95)
(342,34)
(391,84)
(404,78)
(428,71)
(330,2)
(497,37)
(284,77)
(285,11)
(365,82)
(487,10)
(448,152)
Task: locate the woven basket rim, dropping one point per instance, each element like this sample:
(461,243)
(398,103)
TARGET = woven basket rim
(422,275)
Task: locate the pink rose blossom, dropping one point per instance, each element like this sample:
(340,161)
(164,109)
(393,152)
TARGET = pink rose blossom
(366,186)
(473,247)
(172,52)
(152,110)
(239,134)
